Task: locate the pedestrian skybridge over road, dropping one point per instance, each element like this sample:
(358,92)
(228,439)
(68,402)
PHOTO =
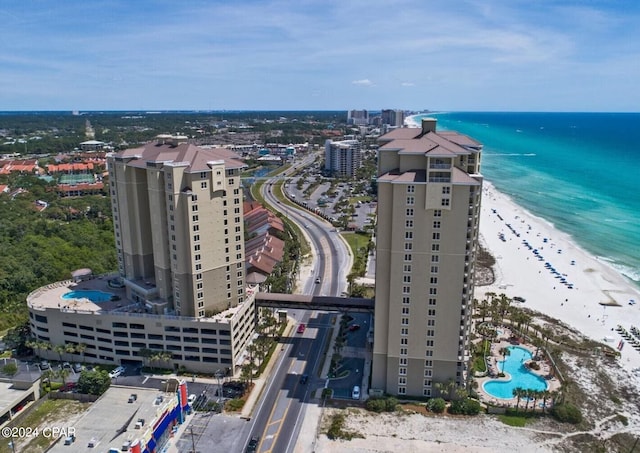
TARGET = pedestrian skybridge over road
(309,302)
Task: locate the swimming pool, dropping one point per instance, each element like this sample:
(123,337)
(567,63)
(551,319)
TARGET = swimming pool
(93,296)
(520,375)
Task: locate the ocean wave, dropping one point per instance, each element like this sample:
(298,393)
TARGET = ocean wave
(617,220)
(628,271)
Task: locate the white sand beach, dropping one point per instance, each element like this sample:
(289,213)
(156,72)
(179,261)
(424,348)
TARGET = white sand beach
(594,299)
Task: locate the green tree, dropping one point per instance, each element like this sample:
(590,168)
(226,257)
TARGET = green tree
(504,352)
(436,405)
(80,348)
(517,393)
(59,349)
(10,369)
(94,382)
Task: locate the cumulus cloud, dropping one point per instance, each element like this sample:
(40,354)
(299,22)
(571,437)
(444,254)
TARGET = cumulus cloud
(407,84)
(363,82)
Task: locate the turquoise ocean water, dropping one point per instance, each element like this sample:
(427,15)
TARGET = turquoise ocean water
(578,171)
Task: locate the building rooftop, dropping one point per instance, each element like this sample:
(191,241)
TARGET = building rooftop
(432,143)
(112,419)
(197,158)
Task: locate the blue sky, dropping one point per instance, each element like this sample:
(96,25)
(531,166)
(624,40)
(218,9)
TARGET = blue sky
(509,55)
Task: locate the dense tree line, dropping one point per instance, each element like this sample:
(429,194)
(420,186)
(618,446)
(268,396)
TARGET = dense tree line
(52,132)
(40,247)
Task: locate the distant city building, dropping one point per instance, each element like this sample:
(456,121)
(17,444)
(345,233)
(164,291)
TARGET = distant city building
(92,145)
(342,158)
(358,117)
(392,117)
(429,190)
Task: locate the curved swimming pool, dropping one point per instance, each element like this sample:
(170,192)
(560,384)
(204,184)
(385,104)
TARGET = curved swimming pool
(520,376)
(92,295)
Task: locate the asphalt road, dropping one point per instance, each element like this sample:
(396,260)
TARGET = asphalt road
(278,416)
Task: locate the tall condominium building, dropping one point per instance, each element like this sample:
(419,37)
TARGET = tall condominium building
(342,158)
(429,191)
(177,211)
(392,117)
(358,117)
(180,288)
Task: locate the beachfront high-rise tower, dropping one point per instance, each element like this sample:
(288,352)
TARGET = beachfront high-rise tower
(429,191)
(177,212)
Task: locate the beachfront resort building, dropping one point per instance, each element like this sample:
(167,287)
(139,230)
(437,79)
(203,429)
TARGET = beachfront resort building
(343,158)
(429,190)
(392,117)
(178,221)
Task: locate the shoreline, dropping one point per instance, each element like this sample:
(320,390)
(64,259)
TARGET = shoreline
(593,298)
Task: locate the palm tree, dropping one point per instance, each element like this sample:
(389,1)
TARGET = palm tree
(31,344)
(70,349)
(545,334)
(503,303)
(504,352)
(537,342)
(527,318)
(45,377)
(59,349)
(536,394)
(63,373)
(80,348)
(517,393)
(527,395)
(146,354)
(449,387)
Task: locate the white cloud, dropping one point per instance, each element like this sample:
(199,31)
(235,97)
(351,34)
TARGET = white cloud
(274,53)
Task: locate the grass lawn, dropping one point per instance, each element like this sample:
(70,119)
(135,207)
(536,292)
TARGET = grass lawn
(364,199)
(356,241)
(513,420)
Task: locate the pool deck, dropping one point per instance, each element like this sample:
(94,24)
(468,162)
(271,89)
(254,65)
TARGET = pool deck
(505,339)
(50,296)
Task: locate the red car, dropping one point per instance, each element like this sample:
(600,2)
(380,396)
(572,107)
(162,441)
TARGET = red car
(353,327)
(301,328)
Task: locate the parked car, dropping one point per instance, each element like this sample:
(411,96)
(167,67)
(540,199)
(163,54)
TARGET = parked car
(44,365)
(301,328)
(77,367)
(355,393)
(68,387)
(66,365)
(353,327)
(116,372)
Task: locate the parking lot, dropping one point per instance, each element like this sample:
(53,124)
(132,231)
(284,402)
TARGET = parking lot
(355,353)
(334,199)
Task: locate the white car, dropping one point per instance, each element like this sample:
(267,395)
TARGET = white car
(355,394)
(116,372)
